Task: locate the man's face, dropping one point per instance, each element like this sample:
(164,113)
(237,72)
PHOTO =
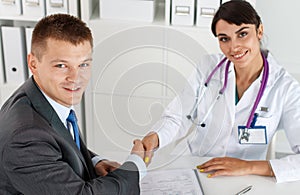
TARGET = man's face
(63,70)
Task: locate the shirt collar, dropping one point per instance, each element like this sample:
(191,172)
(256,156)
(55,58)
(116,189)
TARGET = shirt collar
(62,111)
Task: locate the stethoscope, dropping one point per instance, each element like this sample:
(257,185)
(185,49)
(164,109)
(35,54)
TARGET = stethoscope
(245,133)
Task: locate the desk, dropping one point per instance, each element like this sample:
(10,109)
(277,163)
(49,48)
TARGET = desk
(225,185)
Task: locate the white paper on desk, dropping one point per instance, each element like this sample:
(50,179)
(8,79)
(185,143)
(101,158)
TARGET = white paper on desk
(171,182)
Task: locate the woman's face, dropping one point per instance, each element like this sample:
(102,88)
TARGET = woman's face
(240,44)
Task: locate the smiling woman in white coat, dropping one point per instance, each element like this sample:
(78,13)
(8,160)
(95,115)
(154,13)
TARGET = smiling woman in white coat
(235,101)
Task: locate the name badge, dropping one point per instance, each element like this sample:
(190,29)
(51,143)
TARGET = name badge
(253,135)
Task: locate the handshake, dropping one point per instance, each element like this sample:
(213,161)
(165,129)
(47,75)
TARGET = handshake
(145,147)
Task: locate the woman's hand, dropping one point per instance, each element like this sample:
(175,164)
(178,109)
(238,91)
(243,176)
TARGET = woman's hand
(234,166)
(150,143)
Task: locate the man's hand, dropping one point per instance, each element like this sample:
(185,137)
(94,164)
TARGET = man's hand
(138,148)
(105,166)
(150,143)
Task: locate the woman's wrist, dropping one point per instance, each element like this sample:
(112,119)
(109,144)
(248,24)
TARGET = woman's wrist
(262,168)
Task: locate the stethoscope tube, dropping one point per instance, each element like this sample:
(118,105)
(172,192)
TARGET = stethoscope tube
(245,133)
(221,92)
(198,98)
(261,90)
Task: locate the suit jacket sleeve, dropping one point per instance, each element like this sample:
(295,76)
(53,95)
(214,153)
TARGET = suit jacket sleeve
(33,162)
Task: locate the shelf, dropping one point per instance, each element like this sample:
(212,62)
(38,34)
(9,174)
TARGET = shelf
(72,7)
(162,17)
(20,18)
(92,14)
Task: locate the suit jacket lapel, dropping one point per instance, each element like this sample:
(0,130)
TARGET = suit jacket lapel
(43,107)
(86,154)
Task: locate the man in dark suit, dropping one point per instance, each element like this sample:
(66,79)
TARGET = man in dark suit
(38,154)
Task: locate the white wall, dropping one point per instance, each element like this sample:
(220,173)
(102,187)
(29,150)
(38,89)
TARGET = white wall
(281,25)
(280,19)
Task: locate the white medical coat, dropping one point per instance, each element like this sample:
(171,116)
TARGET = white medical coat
(281,110)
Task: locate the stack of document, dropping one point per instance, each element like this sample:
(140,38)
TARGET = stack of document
(138,10)
(33,9)
(195,12)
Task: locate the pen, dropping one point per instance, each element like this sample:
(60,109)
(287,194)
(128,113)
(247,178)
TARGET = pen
(245,190)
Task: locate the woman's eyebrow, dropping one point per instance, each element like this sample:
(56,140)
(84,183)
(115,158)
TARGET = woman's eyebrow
(238,31)
(241,29)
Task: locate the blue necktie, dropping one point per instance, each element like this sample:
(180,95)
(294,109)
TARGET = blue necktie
(73,120)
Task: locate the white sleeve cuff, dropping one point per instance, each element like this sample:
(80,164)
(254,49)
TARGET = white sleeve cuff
(96,159)
(162,140)
(286,169)
(138,161)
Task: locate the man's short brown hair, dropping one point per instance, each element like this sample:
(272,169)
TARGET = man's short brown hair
(63,27)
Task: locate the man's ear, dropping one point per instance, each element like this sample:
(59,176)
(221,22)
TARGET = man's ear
(32,62)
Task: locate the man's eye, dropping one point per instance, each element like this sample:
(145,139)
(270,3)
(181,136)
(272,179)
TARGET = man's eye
(60,65)
(84,65)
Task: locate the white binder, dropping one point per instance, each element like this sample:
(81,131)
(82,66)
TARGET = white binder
(10,8)
(14,54)
(183,12)
(137,10)
(34,8)
(206,10)
(28,34)
(2,79)
(57,6)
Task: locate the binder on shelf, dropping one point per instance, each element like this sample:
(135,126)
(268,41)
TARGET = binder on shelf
(14,54)
(206,10)
(10,8)
(183,12)
(28,34)
(141,10)
(57,6)
(34,8)
(2,76)
(168,8)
